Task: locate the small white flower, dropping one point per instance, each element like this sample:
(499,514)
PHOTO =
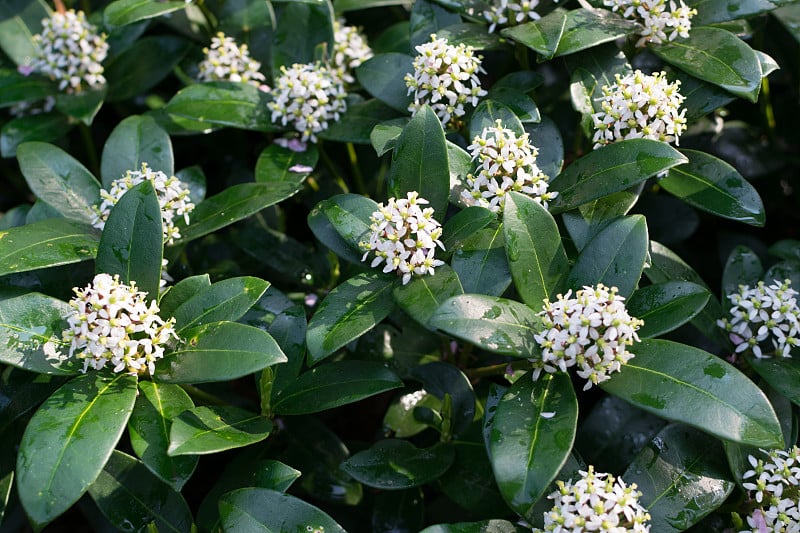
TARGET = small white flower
(507,163)
(226,61)
(70,51)
(596,502)
(510,13)
(662,21)
(111,323)
(764,313)
(446,78)
(404,237)
(640,106)
(308,97)
(774,490)
(173,198)
(592,331)
(350,49)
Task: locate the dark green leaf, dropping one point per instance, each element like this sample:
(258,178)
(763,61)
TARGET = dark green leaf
(685,384)
(211,429)
(743,267)
(421,296)
(341,222)
(665,306)
(275,161)
(228,299)
(355,125)
(532,435)
(146,63)
(384,136)
(419,161)
(445,380)
(398,510)
(21,393)
(465,223)
(136,140)
(711,11)
(588,28)
(382,76)
(701,97)
(43,128)
(219,351)
(60,180)
(615,256)
(334,384)
(83,105)
(131,497)
(546,137)
(481,264)
(236,105)
(347,312)
(785,249)
(788,269)
(517,101)
(488,113)
(486,526)
(132,240)
(782,374)
(5,493)
(426,18)
(233,204)
(536,258)
(156,405)
(301,28)
(470,34)
(392,464)
(399,417)
(182,291)
(16,88)
(683,476)
(68,441)
(609,169)
(256,509)
(241,17)
(718,57)
(543,35)
(470,481)
(713,185)
(46,243)
(122,12)
(494,324)
(27,323)
(585,222)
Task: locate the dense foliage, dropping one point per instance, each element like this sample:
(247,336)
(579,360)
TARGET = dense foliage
(383,265)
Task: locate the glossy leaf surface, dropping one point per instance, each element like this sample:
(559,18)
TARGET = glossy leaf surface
(665,306)
(46,243)
(136,140)
(423,295)
(211,429)
(257,509)
(228,299)
(393,464)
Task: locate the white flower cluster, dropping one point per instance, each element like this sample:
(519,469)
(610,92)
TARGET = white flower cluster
(226,61)
(308,97)
(173,198)
(446,78)
(592,331)
(404,237)
(507,163)
(112,323)
(69,50)
(640,106)
(770,310)
(661,21)
(506,12)
(596,502)
(775,487)
(350,49)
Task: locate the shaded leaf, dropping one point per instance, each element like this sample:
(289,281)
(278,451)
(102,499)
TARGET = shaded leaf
(392,464)
(257,509)
(136,140)
(382,77)
(45,127)
(146,63)
(666,306)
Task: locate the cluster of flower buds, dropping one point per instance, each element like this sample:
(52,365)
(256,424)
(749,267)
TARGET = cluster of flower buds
(404,237)
(111,323)
(596,502)
(70,51)
(507,163)
(309,97)
(446,78)
(640,106)
(510,13)
(350,49)
(774,487)
(173,198)
(662,21)
(592,330)
(227,61)
(764,313)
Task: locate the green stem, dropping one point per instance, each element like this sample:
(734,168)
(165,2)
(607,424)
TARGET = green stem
(357,176)
(497,370)
(91,152)
(201,396)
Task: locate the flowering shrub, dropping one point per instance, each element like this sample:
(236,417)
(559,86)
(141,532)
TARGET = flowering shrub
(434,265)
